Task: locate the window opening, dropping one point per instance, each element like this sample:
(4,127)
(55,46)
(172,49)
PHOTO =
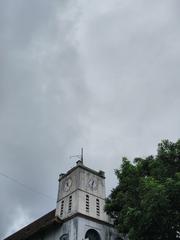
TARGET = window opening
(92,234)
(97,207)
(64,237)
(70,204)
(87,203)
(62,208)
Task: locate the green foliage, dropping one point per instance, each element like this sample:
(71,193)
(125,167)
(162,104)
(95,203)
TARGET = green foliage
(146,203)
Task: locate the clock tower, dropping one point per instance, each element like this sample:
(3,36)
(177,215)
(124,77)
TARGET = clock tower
(81,190)
(80,205)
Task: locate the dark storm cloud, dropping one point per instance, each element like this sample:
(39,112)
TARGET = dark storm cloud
(103,75)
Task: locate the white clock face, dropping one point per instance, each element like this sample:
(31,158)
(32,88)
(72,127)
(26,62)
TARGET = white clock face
(67,184)
(92,183)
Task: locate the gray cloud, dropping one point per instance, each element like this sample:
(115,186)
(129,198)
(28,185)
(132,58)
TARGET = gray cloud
(103,75)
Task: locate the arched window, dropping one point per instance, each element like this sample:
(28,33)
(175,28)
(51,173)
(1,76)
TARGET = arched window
(92,234)
(64,237)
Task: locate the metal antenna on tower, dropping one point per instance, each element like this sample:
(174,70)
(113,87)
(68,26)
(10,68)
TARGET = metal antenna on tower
(82,156)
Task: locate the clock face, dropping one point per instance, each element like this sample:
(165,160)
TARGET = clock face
(67,184)
(92,183)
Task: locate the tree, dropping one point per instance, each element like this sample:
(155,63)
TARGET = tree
(146,202)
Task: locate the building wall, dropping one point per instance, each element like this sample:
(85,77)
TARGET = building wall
(96,209)
(76,229)
(106,232)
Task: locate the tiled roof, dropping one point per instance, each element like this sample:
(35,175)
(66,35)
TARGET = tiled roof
(40,224)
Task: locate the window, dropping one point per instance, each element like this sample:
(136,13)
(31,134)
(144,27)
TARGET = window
(97,207)
(92,234)
(64,237)
(70,204)
(62,208)
(87,203)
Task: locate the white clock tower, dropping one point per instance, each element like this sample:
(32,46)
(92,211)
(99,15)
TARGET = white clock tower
(80,205)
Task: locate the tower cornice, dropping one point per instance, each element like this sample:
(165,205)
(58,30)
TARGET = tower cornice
(79,164)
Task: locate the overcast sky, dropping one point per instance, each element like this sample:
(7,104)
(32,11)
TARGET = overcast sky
(103,75)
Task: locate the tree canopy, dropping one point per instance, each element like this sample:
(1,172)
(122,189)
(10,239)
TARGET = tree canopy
(146,202)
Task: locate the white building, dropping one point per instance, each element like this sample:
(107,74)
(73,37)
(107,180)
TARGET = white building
(79,212)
